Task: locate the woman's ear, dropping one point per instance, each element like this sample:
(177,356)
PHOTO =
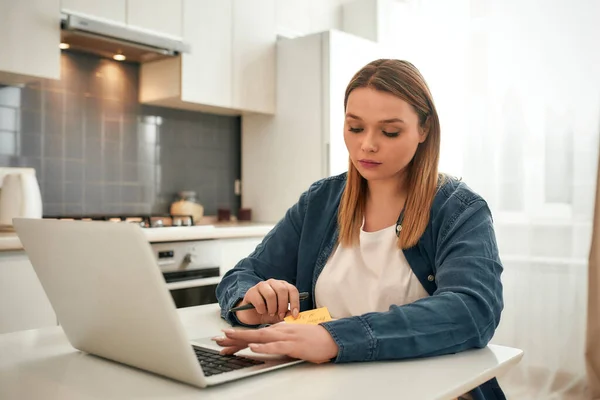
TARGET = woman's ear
(424,129)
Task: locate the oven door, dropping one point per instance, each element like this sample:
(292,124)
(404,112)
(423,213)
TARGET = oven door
(194,292)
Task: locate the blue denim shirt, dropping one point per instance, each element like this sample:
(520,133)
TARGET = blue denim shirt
(456,260)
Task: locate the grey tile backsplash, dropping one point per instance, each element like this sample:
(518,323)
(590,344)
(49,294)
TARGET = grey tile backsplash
(96,150)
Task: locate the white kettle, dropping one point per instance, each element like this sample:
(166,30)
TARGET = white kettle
(20,195)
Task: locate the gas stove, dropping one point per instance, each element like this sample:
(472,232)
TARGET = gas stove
(145,221)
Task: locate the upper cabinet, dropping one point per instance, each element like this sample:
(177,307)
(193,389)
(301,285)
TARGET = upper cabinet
(253,55)
(231,67)
(30,32)
(156,15)
(206,71)
(113,10)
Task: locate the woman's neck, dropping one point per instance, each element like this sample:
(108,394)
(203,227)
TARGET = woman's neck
(386,192)
(385,200)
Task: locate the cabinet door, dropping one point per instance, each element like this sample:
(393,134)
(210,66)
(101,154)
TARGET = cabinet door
(113,10)
(296,149)
(253,53)
(30,30)
(235,249)
(156,15)
(23,302)
(206,71)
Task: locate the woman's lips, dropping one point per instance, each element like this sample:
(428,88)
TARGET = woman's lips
(369,163)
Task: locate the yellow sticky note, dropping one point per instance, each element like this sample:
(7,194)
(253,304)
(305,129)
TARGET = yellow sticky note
(313,317)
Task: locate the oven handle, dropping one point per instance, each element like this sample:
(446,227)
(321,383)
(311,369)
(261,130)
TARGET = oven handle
(191,274)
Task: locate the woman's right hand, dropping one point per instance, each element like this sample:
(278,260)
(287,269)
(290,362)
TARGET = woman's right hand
(270,299)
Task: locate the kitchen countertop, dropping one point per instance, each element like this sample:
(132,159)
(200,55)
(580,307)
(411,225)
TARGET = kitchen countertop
(10,241)
(41,364)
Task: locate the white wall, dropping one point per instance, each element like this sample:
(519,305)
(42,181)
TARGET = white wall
(517,87)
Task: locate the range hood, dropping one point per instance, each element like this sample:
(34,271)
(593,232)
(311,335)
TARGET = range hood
(106,38)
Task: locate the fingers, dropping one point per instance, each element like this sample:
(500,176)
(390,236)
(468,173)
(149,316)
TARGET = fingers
(230,346)
(254,297)
(235,341)
(282,290)
(273,298)
(294,300)
(227,342)
(270,297)
(287,296)
(283,347)
(265,335)
(227,351)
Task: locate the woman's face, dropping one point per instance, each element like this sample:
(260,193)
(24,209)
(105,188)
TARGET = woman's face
(381,132)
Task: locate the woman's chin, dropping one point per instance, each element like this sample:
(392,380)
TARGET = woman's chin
(370,175)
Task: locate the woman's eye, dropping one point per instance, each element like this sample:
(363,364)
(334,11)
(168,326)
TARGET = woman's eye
(391,134)
(355,130)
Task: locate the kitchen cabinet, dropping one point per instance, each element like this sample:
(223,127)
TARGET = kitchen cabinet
(23,302)
(160,16)
(374,19)
(30,31)
(253,55)
(230,69)
(113,10)
(234,250)
(284,154)
(206,71)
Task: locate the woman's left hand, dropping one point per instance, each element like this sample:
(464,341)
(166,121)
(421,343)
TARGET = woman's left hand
(306,342)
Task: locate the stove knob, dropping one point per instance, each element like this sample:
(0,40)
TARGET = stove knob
(190,258)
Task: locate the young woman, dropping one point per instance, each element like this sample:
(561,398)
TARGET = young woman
(405,259)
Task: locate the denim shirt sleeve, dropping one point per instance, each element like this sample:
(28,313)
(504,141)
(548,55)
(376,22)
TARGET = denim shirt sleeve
(462,313)
(275,257)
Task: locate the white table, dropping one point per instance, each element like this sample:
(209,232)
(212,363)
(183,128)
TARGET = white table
(41,364)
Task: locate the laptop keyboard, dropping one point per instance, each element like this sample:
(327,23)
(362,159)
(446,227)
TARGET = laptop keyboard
(214,363)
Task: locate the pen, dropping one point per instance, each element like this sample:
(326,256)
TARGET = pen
(249,306)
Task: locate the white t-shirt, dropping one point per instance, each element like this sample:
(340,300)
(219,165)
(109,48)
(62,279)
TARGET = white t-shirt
(367,278)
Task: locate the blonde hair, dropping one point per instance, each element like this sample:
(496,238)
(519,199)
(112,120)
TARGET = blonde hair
(402,79)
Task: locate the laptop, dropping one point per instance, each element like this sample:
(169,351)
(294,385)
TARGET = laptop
(112,301)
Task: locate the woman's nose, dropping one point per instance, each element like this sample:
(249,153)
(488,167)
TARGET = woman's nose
(369,144)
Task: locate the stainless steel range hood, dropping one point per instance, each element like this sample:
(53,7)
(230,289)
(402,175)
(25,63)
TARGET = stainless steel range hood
(106,38)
